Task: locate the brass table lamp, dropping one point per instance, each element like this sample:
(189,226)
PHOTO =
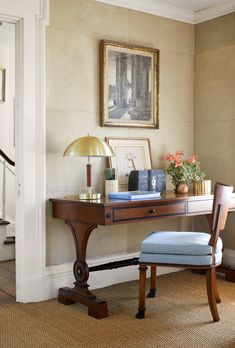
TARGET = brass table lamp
(89,146)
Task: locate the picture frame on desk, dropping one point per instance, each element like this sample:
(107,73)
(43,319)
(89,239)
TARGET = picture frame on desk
(130,154)
(129,85)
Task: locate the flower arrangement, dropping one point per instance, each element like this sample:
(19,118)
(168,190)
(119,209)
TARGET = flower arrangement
(183,170)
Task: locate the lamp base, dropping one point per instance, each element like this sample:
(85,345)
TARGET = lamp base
(85,196)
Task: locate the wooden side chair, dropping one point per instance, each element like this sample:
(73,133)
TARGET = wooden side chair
(194,250)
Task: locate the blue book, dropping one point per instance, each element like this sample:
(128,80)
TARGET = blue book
(132,195)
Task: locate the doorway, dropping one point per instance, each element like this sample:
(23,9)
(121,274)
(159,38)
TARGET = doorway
(7,162)
(30,19)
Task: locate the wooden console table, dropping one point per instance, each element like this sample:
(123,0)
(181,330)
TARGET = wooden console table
(84,216)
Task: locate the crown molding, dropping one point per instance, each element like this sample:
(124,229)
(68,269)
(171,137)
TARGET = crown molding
(155,8)
(214,12)
(160,9)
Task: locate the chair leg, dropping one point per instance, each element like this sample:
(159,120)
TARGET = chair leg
(217,297)
(212,292)
(152,290)
(142,284)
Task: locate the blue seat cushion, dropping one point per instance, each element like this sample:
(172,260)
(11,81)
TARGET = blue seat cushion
(179,243)
(185,248)
(173,259)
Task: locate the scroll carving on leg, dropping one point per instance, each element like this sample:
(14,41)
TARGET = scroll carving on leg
(81,274)
(80,293)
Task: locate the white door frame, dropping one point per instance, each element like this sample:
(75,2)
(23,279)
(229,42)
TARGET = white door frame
(30,18)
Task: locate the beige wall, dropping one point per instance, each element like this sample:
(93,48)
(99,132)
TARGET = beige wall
(215,104)
(76,28)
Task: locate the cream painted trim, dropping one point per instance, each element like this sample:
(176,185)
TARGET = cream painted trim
(155,8)
(164,10)
(19,111)
(214,12)
(44,11)
(41,21)
(62,276)
(30,140)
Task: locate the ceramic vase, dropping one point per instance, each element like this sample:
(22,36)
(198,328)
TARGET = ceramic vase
(182,188)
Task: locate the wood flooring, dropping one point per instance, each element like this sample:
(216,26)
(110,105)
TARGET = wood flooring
(7,282)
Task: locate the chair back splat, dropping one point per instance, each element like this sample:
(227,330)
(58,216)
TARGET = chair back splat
(222,197)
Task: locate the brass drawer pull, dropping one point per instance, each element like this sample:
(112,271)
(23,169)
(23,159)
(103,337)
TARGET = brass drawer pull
(152,211)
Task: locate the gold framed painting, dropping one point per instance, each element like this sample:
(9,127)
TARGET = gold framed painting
(130,154)
(129,85)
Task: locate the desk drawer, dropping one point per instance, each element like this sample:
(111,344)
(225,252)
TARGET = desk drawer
(199,207)
(148,212)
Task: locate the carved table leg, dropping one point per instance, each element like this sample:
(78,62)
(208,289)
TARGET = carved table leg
(80,293)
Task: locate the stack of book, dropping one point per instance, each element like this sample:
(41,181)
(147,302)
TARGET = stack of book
(133,195)
(202,187)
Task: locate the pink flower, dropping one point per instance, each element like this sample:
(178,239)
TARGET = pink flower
(183,170)
(178,163)
(178,155)
(192,159)
(170,157)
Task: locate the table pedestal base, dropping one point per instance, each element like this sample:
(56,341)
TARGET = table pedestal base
(96,308)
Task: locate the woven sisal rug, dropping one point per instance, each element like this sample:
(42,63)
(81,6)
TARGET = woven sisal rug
(178,317)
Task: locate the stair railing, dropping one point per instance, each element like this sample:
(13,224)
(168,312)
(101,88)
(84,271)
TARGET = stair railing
(4,162)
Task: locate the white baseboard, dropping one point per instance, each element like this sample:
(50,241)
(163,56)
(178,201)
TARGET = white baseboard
(62,276)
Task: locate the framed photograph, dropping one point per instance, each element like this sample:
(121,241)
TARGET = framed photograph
(130,154)
(129,85)
(2,85)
